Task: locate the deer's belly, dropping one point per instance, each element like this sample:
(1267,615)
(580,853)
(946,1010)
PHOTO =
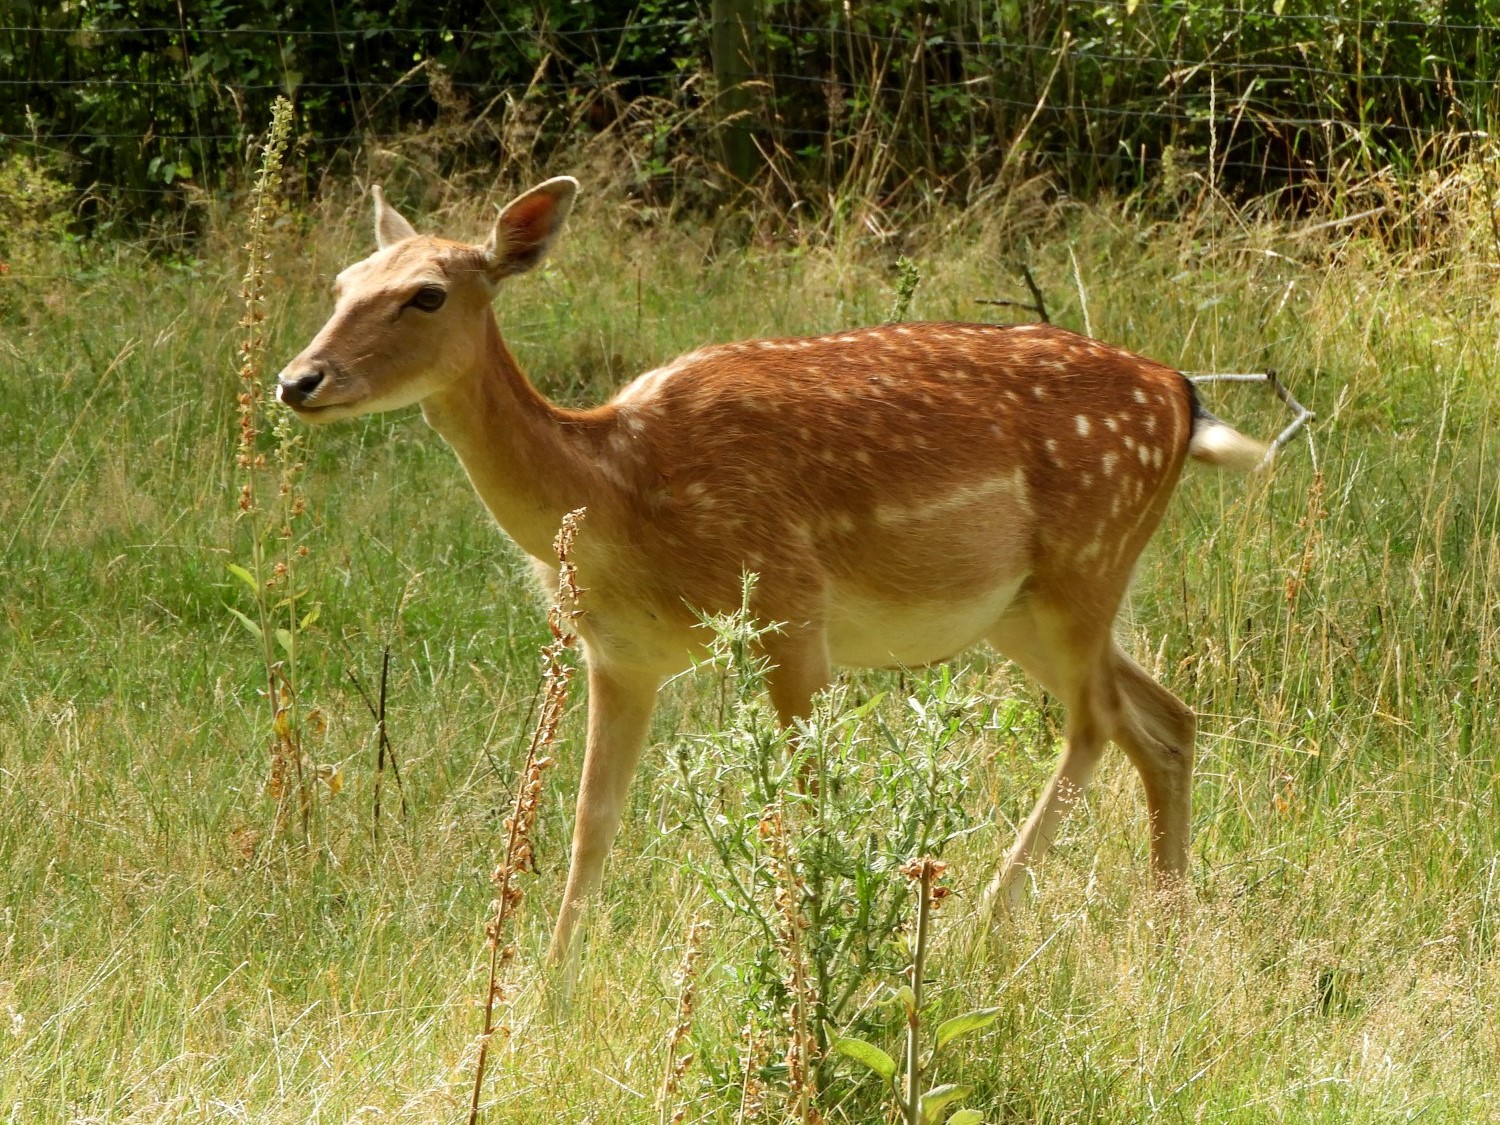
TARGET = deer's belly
(868,631)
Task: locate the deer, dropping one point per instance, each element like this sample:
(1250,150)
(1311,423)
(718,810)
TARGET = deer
(900,493)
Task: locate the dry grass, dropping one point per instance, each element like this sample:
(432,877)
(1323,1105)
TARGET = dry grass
(1337,632)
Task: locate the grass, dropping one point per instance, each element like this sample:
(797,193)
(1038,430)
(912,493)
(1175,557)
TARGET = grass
(1338,962)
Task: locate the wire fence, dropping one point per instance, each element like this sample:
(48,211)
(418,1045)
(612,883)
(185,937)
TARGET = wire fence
(147,116)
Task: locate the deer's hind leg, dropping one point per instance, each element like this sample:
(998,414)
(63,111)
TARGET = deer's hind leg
(1156,731)
(1068,647)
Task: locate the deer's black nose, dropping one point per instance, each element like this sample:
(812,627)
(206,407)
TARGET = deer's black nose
(298,389)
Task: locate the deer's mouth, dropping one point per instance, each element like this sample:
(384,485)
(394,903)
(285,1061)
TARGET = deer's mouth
(319,413)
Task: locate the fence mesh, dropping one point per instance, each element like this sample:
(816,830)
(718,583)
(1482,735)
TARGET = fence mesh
(143,106)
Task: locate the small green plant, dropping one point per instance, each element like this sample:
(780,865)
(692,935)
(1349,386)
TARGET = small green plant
(908,277)
(913,1104)
(809,828)
(34,219)
(33,205)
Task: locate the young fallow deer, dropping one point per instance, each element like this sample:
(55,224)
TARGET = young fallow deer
(901,493)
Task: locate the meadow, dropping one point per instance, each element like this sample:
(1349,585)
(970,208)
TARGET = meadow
(167,955)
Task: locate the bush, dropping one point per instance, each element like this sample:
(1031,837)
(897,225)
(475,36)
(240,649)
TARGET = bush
(886,102)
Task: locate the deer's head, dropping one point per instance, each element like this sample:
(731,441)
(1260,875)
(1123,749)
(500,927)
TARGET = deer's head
(410,318)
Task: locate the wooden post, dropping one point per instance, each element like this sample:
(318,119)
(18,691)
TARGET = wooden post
(731,35)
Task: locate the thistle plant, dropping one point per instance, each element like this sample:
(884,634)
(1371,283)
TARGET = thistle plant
(807,830)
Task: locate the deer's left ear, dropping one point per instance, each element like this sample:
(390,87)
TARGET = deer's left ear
(390,227)
(528,227)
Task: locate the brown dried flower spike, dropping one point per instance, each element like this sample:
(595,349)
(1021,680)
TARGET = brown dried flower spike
(557,674)
(928,871)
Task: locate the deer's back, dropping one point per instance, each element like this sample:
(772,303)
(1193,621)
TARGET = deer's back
(915,465)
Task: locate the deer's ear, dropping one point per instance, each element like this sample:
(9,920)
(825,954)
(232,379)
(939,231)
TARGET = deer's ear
(390,227)
(528,227)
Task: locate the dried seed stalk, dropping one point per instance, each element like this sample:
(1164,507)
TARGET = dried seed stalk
(252,346)
(557,674)
(286,755)
(676,1065)
(752,1086)
(802,1045)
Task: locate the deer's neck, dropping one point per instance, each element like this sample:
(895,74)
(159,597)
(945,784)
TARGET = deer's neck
(528,459)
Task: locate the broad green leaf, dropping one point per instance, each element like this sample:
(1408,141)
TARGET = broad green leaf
(310,616)
(246,622)
(284,639)
(869,1054)
(245,576)
(939,1098)
(950,1030)
(967,1117)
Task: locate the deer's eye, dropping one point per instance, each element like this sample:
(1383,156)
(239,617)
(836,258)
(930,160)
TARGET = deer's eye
(429,298)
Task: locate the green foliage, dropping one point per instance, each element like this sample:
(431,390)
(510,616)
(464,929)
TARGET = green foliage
(868,1055)
(33,223)
(1100,93)
(861,787)
(865,105)
(914,1103)
(33,205)
(155,103)
(958,1026)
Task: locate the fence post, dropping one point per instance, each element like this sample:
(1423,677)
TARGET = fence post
(730,37)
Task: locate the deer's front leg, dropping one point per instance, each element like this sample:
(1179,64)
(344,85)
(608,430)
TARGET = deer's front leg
(620,706)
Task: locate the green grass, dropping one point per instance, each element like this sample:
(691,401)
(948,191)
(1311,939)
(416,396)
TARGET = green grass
(1338,962)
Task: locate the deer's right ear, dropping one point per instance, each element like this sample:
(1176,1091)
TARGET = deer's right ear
(390,227)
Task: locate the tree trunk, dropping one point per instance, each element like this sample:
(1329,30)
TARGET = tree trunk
(731,36)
